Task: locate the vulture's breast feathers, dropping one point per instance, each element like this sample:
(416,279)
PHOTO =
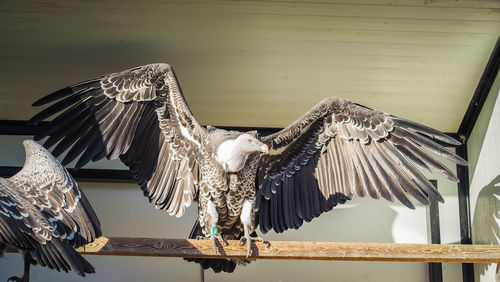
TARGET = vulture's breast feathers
(232,153)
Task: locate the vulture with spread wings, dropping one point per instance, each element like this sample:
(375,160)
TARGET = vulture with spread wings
(45,215)
(241,180)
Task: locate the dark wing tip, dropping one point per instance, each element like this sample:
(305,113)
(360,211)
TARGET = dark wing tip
(52,96)
(453,141)
(39,102)
(461,161)
(66,91)
(32,121)
(409,205)
(423,129)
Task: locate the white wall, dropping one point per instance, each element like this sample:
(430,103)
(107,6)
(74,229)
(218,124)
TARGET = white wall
(123,211)
(484,174)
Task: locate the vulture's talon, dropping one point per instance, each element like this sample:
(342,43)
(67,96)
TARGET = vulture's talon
(242,241)
(248,240)
(219,238)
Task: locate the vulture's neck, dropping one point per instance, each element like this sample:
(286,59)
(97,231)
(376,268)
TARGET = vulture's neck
(230,156)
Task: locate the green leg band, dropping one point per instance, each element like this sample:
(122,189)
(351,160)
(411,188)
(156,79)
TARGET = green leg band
(214,231)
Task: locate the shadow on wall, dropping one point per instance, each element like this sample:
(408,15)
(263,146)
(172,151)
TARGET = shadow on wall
(485,224)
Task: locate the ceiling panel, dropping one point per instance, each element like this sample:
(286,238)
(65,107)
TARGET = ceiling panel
(258,63)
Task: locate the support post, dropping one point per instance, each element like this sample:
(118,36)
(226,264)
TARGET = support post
(464,211)
(435,268)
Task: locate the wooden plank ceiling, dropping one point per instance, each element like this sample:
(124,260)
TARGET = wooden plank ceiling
(258,63)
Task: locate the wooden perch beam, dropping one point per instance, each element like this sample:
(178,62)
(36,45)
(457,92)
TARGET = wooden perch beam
(123,246)
(295,250)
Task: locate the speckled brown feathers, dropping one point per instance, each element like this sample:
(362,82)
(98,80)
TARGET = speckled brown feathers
(44,213)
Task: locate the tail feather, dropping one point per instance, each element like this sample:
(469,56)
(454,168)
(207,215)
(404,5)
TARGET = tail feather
(61,256)
(217,265)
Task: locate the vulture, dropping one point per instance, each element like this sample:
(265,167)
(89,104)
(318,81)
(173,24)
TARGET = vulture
(45,215)
(241,180)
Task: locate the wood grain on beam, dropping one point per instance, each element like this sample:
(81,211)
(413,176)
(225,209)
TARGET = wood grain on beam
(123,246)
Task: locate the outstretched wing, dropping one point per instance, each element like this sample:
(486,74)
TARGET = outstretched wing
(339,149)
(43,211)
(139,115)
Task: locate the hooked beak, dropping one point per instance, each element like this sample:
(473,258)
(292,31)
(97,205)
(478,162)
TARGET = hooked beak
(264,149)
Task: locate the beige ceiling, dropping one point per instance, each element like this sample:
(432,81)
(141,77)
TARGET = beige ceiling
(258,63)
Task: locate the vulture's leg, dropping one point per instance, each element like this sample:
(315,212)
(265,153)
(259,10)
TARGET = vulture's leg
(246,220)
(213,218)
(27,263)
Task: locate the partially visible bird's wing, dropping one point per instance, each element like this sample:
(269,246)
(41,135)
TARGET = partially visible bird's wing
(13,229)
(339,149)
(139,115)
(43,211)
(48,186)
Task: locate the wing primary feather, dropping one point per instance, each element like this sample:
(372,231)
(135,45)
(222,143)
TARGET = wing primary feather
(90,153)
(62,120)
(408,184)
(391,168)
(431,132)
(316,197)
(286,203)
(82,121)
(340,162)
(422,155)
(67,91)
(333,177)
(291,203)
(81,145)
(412,157)
(274,214)
(55,108)
(322,175)
(266,189)
(347,170)
(360,178)
(120,139)
(382,183)
(70,139)
(429,144)
(415,174)
(100,155)
(369,174)
(305,195)
(265,224)
(279,210)
(298,214)
(350,188)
